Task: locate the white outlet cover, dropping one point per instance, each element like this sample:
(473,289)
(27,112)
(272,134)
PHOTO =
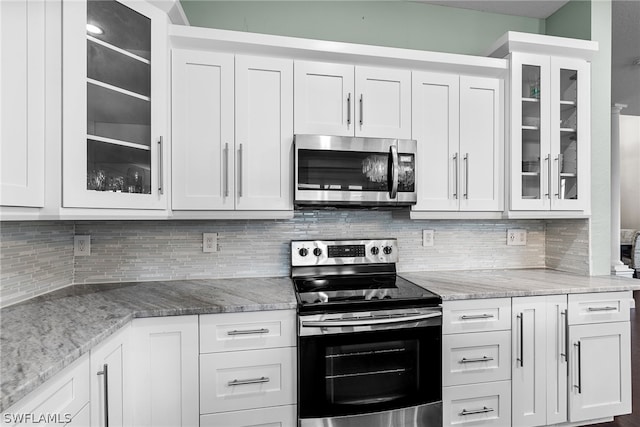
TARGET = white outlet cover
(516,237)
(209,242)
(428,237)
(81,245)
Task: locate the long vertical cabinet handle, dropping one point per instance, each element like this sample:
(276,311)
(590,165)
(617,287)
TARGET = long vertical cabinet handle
(455,176)
(559,160)
(520,359)
(579,386)
(105,374)
(564,329)
(225,172)
(160,167)
(349,109)
(240,171)
(361,110)
(466,176)
(548,160)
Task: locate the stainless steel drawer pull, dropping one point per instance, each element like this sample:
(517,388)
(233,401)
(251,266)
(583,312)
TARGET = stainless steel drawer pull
(249,381)
(477,359)
(248,331)
(484,410)
(105,374)
(602,308)
(477,316)
(349,109)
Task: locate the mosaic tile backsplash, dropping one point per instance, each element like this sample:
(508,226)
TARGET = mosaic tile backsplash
(38,257)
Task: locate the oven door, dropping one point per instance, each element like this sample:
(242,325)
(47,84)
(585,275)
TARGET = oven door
(372,373)
(331,170)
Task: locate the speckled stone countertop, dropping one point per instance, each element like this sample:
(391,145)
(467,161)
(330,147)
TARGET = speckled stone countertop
(39,337)
(457,285)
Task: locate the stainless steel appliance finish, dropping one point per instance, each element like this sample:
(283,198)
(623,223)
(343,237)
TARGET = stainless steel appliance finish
(342,171)
(415,416)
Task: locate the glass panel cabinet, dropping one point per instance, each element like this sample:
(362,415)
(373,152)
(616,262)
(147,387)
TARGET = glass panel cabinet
(549,133)
(114,97)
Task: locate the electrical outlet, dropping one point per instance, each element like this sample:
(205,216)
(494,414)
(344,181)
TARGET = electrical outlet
(81,245)
(516,237)
(209,242)
(427,237)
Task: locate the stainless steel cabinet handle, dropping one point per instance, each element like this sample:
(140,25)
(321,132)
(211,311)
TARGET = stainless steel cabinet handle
(361,110)
(349,109)
(548,160)
(559,160)
(602,308)
(248,331)
(579,386)
(105,374)
(240,171)
(160,168)
(466,176)
(393,190)
(226,170)
(477,359)
(564,326)
(476,316)
(455,176)
(521,358)
(484,410)
(249,381)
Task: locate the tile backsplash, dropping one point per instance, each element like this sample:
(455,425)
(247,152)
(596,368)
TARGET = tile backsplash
(38,257)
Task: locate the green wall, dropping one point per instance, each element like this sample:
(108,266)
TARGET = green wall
(402,24)
(572,20)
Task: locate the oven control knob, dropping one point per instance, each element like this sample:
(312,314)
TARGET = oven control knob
(317,251)
(303,252)
(375,250)
(387,250)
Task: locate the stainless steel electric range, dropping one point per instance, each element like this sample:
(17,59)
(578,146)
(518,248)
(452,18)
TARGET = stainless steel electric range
(369,342)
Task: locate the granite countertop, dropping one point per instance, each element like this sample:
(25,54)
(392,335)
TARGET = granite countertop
(41,336)
(457,285)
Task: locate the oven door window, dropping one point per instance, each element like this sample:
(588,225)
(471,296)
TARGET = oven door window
(368,372)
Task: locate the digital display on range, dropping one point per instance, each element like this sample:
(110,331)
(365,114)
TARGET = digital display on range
(345,251)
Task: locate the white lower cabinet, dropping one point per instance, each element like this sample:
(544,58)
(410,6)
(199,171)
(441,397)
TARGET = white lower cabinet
(248,369)
(482,404)
(164,371)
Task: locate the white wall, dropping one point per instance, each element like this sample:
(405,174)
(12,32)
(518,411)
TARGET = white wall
(630,172)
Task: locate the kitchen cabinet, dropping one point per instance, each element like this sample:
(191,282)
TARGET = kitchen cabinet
(164,371)
(110,381)
(65,397)
(347,100)
(600,356)
(219,165)
(539,360)
(114,105)
(457,123)
(22,103)
(248,368)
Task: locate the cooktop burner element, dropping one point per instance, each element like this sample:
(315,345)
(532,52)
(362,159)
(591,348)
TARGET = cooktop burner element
(341,275)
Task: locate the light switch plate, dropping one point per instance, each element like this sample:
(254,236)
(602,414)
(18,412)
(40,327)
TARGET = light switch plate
(209,242)
(82,245)
(428,237)
(516,237)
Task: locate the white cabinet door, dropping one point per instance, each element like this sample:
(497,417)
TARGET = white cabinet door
(435,126)
(264,133)
(164,371)
(202,130)
(22,103)
(276,416)
(114,110)
(383,97)
(529,361)
(557,358)
(109,365)
(600,374)
(480,144)
(324,98)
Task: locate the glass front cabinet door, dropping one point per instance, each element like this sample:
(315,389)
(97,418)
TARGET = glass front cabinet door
(550,133)
(114,104)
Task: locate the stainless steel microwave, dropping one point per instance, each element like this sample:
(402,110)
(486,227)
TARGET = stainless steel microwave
(354,171)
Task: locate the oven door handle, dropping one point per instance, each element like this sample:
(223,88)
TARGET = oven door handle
(367,322)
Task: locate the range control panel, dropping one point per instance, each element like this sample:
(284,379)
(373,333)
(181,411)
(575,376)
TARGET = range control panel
(340,252)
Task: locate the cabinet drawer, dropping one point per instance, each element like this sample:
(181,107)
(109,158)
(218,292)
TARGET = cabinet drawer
(247,330)
(247,379)
(476,315)
(477,357)
(599,307)
(487,404)
(277,416)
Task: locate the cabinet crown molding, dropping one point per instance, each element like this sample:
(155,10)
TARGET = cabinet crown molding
(513,41)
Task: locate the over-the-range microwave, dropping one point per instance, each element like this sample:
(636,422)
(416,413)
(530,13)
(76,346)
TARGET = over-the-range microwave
(354,171)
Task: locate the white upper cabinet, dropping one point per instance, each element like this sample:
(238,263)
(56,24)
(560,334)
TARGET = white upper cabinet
(457,123)
(22,103)
(339,99)
(114,105)
(232,123)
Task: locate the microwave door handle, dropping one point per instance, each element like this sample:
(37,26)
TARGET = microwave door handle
(393,190)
